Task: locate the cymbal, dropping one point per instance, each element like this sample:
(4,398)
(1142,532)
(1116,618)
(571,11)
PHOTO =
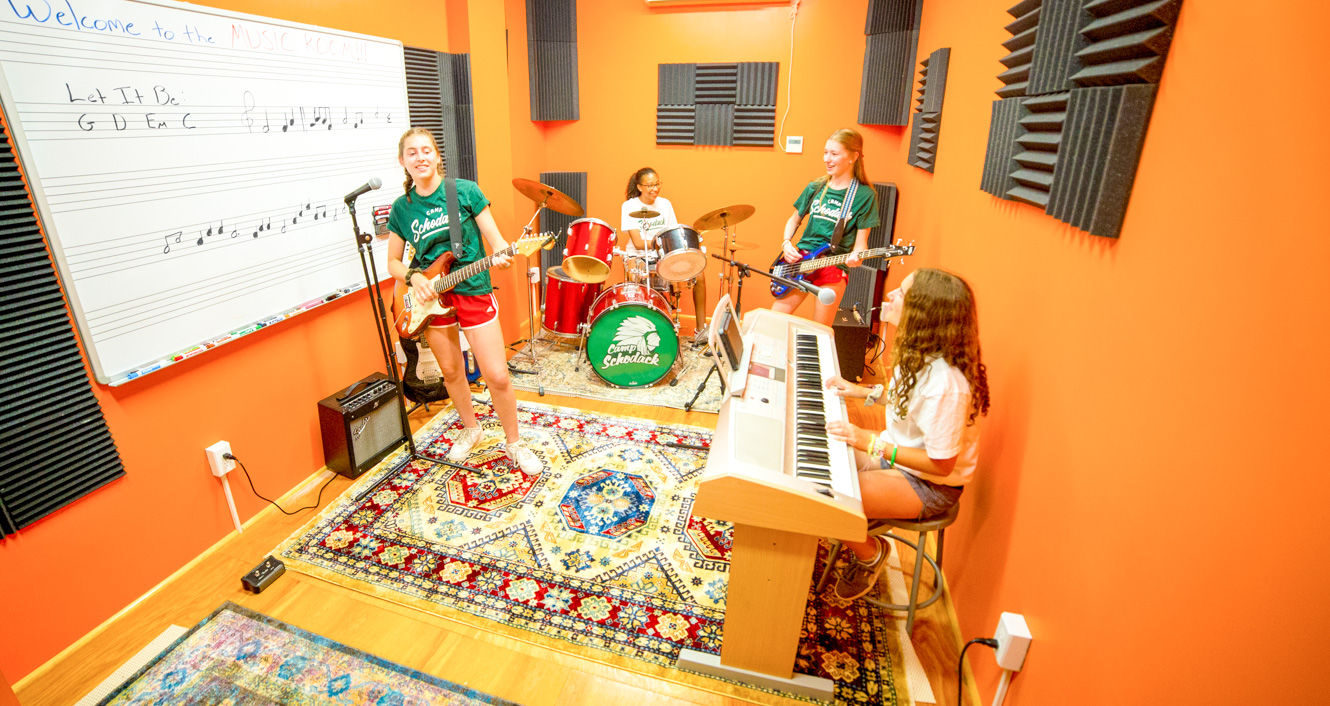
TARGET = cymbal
(552,198)
(644,213)
(727,216)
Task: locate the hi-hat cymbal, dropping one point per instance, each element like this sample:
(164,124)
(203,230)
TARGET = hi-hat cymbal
(550,197)
(727,216)
(644,213)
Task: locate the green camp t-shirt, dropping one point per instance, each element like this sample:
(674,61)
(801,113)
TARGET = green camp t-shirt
(822,207)
(423,222)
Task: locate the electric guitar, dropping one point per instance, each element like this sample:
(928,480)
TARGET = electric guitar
(814,261)
(411,317)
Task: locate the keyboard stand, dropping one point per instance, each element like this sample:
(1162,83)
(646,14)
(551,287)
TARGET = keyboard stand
(764,613)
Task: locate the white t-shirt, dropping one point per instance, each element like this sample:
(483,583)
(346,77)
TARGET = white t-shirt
(935,421)
(648,227)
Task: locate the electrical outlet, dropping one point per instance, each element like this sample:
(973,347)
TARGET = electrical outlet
(1013,637)
(220,466)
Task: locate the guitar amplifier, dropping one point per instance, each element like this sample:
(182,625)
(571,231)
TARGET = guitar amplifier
(851,343)
(360,425)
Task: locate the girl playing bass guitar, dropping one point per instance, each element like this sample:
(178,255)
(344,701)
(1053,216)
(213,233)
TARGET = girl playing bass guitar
(843,207)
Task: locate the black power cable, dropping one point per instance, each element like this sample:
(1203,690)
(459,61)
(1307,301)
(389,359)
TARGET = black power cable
(317,500)
(960,664)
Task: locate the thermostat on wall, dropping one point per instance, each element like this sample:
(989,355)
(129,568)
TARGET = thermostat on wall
(794,145)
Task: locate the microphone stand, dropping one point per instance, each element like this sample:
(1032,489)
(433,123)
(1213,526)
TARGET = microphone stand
(382,327)
(744,270)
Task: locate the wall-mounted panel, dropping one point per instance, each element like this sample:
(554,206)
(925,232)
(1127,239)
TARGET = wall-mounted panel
(574,185)
(551,33)
(891,43)
(927,124)
(1068,134)
(716,104)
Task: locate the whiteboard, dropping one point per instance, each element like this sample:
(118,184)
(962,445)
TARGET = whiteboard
(189,165)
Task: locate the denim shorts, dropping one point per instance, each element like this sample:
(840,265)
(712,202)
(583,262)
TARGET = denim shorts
(937,499)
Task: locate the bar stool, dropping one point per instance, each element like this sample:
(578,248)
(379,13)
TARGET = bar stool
(877,528)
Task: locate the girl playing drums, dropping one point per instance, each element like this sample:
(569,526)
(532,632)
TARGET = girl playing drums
(643,193)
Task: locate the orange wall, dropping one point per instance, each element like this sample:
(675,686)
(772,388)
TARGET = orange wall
(1126,376)
(69,572)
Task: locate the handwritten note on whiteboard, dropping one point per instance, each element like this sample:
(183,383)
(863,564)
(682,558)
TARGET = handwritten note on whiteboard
(189,164)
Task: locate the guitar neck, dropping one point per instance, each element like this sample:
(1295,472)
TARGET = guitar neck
(458,276)
(819,263)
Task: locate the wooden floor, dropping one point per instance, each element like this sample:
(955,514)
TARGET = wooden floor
(482,660)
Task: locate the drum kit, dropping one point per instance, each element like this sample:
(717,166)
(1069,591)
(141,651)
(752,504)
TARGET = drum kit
(629,331)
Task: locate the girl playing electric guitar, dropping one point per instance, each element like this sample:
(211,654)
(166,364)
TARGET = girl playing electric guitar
(421,214)
(842,203)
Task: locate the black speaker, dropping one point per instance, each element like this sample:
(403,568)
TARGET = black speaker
(361,425)
(851,343)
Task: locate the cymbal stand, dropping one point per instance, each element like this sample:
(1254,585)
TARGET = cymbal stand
(531,340)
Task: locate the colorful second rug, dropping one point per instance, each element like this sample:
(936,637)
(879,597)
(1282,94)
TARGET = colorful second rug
(239,657)
(600,555)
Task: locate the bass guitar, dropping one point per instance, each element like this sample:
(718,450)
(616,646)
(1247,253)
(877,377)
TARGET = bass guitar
(411,317)
(815,260)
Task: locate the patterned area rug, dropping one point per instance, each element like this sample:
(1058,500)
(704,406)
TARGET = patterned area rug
(558,377)
(236,656)
(599,556)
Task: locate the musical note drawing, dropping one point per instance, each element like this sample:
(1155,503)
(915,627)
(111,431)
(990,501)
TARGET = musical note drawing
(290,120)
(345,114)
(265,120)
(324,209)
(249,105)
(360,118)
(175,235)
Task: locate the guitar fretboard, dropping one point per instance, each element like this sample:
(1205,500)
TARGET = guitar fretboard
(456,277)
(799,268)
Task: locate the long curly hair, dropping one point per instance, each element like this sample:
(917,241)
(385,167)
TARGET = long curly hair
(939,317)
(401,147)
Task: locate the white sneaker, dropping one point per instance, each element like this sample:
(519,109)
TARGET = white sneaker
(524,458)
(465,441)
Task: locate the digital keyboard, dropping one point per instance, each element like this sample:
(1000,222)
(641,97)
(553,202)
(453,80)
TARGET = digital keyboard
(774,473)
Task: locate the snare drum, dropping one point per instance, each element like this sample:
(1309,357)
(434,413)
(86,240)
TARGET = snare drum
(567,302)
(681,256)
(590,250)
(633,340)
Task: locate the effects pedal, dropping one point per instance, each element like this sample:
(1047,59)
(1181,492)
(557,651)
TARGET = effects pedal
(263,575)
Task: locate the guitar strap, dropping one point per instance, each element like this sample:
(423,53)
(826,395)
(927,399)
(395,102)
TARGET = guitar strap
(454,223)
(844,217)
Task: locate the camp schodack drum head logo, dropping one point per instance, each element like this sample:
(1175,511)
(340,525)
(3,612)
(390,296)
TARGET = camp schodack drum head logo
(632,345)
(636,341)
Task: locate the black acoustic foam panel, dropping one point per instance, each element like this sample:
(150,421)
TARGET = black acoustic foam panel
(716,104)
(438,89)
(892,30)
(928,114)
(574,184)
(1078,90)
(551,34)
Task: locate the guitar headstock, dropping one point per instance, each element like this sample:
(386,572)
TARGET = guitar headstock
(528,244)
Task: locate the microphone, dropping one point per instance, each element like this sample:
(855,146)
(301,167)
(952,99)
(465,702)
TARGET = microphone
(373,183)
(825,295)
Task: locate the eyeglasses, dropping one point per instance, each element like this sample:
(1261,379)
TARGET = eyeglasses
(656,185)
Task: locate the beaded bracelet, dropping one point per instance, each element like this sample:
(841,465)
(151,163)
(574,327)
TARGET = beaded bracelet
(411,273)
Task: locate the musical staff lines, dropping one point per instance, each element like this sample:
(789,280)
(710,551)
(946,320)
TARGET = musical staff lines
(83,192)
(125,318)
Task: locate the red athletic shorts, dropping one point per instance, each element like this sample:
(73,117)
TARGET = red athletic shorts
(827,276)
(472,310)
